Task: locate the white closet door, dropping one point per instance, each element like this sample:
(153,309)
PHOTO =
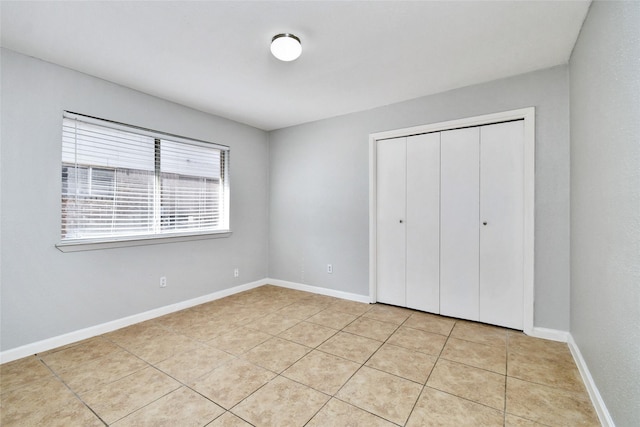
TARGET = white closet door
(459,223)
(501,231)
(423,222)
(391,241)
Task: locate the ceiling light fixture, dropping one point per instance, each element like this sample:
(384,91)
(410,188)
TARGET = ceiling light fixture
(286,47)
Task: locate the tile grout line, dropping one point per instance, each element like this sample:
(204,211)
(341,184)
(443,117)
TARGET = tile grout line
(424,386)
(280,373)
(73,392)
(334,396)
(270,310)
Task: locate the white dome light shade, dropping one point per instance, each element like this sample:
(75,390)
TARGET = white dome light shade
(286,47)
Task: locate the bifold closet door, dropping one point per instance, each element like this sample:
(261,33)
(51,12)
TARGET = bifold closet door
(423,222)
(390,212)
(501,229)
(459,223)
(450,213)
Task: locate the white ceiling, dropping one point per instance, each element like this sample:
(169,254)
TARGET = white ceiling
(214,56)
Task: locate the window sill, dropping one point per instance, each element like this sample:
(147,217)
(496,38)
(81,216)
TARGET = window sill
(97,244)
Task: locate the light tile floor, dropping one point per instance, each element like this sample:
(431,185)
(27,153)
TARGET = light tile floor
(278,357)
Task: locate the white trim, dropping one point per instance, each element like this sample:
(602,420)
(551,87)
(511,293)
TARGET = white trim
(318,290)
(373,219)
(592,389)
(549,334)
(95,244)
(92,331)
(528,115)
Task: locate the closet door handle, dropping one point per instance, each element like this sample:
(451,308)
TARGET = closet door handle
(485,223)
(401,221)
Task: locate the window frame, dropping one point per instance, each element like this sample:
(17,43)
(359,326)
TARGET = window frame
(93,243)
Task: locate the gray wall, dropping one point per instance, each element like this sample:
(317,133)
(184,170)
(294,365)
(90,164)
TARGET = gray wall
(605,203)
(319,190)
(45,292)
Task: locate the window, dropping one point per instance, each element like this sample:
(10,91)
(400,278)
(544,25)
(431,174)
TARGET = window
(120,182)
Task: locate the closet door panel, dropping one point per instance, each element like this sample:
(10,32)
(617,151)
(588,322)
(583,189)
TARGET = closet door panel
(459,223)
(501,229)
(390,210)
(423,222)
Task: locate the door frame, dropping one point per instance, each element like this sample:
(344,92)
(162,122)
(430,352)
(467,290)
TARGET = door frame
(526,114)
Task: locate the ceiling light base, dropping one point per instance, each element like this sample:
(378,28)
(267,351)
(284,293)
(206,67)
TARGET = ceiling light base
(286,47)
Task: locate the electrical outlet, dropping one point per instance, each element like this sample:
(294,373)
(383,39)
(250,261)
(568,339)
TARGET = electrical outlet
(163,282)
(329,268)
(236,272)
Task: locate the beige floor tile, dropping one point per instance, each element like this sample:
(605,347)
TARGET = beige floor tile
(230,383)
(321,371)
(332,319)
(415,339)
(72,357)
(513,421)
(248,314)
(22,372)
(271,305)
(215,307)
(137,332)
(485,387)
(409,364)
(239,340)
(276,354)
(339,413)
(521,343)
(435,408)
(244,314)
(209,328)
(245,297)
(180,320)
(556,372)
(228,420)
(481,356)
(160,346)
(188,366)
(308,334)
(430,323)
(44,402)
(317,299)
(480,333)
(350,307)
(120,398)
(281,402)
(273,324)
(382,394)
(371,328)
(101,371)
(388,313)
(183,407)
(184,317)
(215,349)
(300,311)
(548,405)
(349,346)
(64,347)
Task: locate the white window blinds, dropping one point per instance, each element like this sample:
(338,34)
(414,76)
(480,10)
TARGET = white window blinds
(121,182)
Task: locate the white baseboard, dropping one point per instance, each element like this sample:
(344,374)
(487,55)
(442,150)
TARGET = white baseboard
(594,394)
(92,331)
(318,290)
(549,334)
